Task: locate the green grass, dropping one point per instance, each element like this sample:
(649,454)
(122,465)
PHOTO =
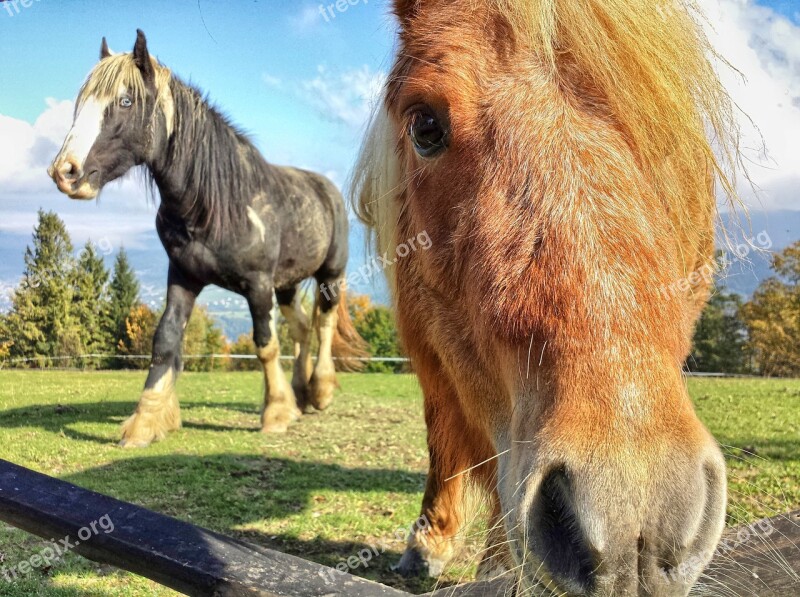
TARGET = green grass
(334,483)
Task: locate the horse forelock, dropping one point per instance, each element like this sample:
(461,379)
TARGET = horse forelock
(119,72)
(649,64)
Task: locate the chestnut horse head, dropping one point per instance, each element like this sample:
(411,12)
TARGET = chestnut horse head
(557,153)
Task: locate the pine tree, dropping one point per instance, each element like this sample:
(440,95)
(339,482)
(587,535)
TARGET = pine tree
(720,336)
(41,322)
(124,291)
(91,302)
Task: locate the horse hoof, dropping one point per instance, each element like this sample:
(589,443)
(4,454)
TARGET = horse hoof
(275,428)
(414,564)
(322,388)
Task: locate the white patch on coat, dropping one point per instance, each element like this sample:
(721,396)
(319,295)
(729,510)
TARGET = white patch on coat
(256,221)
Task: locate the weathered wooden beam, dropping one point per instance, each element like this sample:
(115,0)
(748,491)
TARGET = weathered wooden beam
(760,559)
(173,553)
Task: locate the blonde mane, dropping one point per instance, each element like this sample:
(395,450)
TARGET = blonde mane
(119,71)
(652,63)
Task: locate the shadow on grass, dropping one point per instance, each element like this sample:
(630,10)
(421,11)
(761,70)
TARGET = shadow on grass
(228,491)
(58,418)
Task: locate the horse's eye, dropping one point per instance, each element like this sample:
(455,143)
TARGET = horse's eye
(427,134)
(125,102)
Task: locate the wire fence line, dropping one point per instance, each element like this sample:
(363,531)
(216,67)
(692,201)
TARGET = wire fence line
(246,357)
(138,357)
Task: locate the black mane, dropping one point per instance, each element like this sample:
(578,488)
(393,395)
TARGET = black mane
(212,156)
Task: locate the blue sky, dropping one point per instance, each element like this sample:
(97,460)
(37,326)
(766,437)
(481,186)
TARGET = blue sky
(788,8)
(242,45)
(302,86)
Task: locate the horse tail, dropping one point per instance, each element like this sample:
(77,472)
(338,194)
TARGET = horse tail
(349,348)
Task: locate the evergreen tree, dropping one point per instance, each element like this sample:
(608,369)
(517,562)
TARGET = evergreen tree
(91,302)
(41,322)
(5,340)
(124,296)
(719,339)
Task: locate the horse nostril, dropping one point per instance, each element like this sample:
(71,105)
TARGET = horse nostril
(556,536)
(70,170)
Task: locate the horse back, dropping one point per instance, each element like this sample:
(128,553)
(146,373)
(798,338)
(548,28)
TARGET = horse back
(310,212)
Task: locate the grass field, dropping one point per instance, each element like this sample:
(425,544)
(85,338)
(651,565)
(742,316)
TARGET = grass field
(334,483)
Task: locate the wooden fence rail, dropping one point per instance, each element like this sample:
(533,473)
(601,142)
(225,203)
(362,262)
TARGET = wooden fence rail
(760,560)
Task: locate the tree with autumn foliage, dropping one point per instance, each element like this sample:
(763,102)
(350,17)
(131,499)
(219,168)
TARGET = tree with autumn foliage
(772,317)
(244,345)
(376,325)
(137,337)
(203,337)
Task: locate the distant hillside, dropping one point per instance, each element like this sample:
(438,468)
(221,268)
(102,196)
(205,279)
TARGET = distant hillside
(150,263)
(779,228)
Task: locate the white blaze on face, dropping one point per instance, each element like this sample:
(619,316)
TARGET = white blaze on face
(84,132)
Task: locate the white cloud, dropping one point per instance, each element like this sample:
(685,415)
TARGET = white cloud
(346,97)
(306,19)
(272,81)
(26,149)
(121,215)
(765,48)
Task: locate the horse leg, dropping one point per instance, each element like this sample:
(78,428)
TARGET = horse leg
(291,307)
(158,411)
(454,446)
(280,408)
(323,379)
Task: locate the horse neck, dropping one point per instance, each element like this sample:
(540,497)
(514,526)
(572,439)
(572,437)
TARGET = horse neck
(202,157)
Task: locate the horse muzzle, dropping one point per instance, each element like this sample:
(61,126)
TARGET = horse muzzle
(70,179)
(598,527)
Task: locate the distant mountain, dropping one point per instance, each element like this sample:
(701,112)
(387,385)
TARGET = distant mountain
(751,242)
(771,231)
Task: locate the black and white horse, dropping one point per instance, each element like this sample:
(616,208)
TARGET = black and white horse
(226,217)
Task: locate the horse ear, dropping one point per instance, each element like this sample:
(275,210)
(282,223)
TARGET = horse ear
(104,51)
(142,57)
